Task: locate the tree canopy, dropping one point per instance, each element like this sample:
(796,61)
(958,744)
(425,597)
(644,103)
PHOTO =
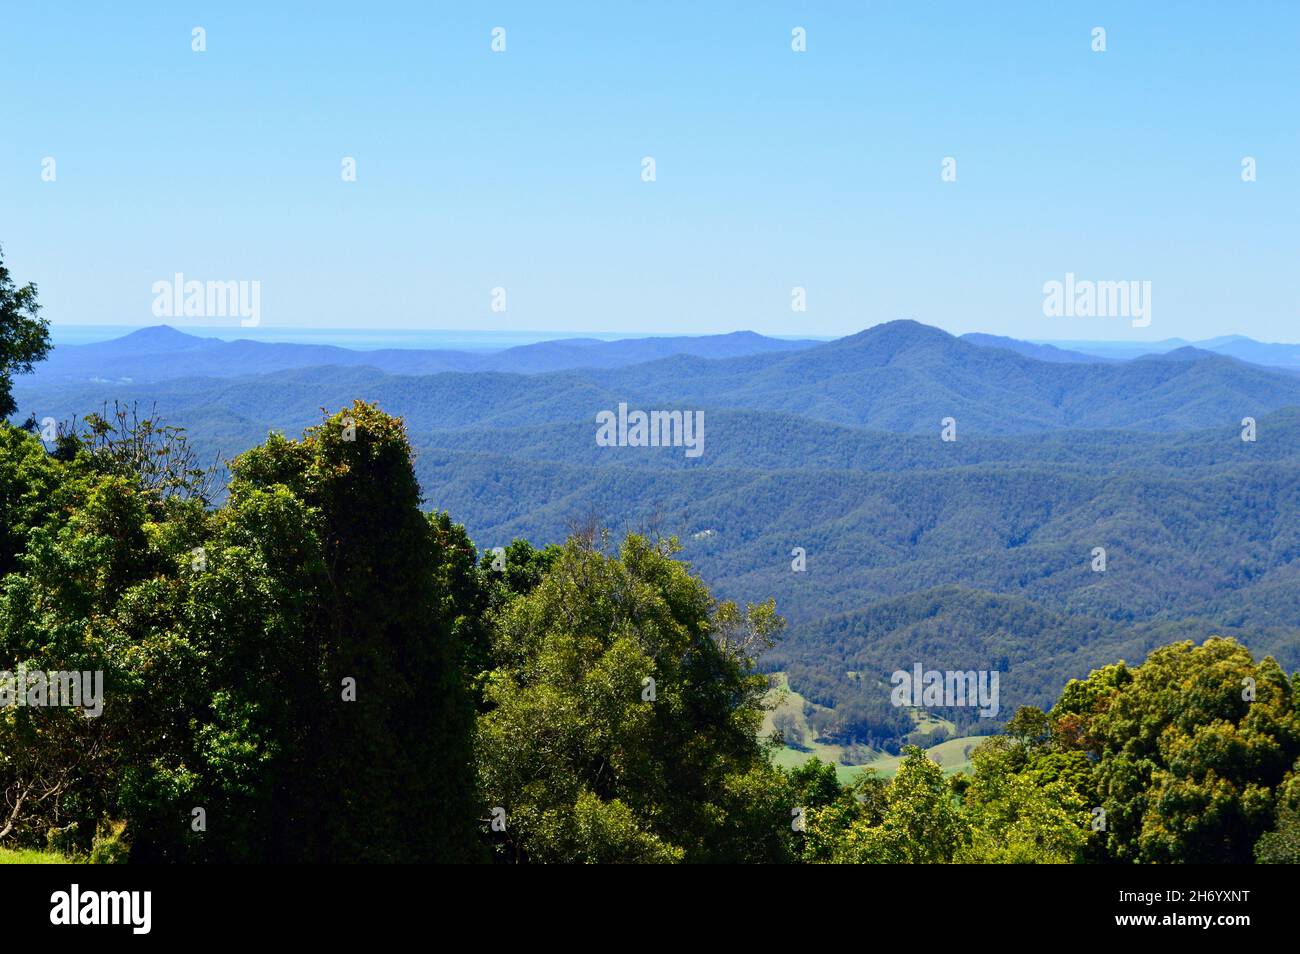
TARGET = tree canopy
(24,334)
(315,668)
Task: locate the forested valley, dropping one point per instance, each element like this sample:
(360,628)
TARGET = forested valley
(305,658)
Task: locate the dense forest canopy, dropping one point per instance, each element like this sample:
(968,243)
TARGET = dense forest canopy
(305,663)
(329,673)
(976,553)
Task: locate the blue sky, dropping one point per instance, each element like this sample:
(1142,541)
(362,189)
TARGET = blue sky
(775,169)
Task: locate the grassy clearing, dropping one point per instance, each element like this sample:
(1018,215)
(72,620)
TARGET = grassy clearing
(791,709)
(792,758)
(26,857)
(953,756)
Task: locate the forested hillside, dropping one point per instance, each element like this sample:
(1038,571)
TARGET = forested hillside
(292,658)
(590,702)
(976,552)
(900,376)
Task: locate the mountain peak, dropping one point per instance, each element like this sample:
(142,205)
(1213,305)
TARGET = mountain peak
(899,327)
(1185,353)
(902,334)
(160,335)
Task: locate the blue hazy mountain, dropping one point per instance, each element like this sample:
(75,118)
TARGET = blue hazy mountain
(905,376)
(900,376)
(1275,354)
(1043,352)
(162,352)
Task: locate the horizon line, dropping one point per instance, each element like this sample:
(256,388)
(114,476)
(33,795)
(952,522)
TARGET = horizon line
(233,332)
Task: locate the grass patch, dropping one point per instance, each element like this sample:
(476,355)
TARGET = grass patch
(27,857)
(952,756)
(790,712)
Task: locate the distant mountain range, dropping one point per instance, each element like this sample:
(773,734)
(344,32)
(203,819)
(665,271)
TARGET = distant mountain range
(161,352)
(1233,346)
(1043,352)
(971,554)
(900,376)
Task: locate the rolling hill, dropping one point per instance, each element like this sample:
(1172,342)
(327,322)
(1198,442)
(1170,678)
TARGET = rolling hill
(967,554)
(163,353)
(900,377)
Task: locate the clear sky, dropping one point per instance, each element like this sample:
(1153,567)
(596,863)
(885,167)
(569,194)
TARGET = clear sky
(775,169)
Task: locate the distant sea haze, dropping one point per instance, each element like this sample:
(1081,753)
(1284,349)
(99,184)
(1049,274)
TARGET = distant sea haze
(360,339)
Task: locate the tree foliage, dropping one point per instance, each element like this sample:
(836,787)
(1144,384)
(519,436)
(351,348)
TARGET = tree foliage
(24,334)
(229,639)
(622,713)
(321,670)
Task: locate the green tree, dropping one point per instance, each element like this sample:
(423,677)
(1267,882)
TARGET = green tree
(919,824)
(1281,846)
(92,590)
(622,713)
(231,641)
(24,335)
(832,809)
(339,726)
(1191,747)
(1019,817)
